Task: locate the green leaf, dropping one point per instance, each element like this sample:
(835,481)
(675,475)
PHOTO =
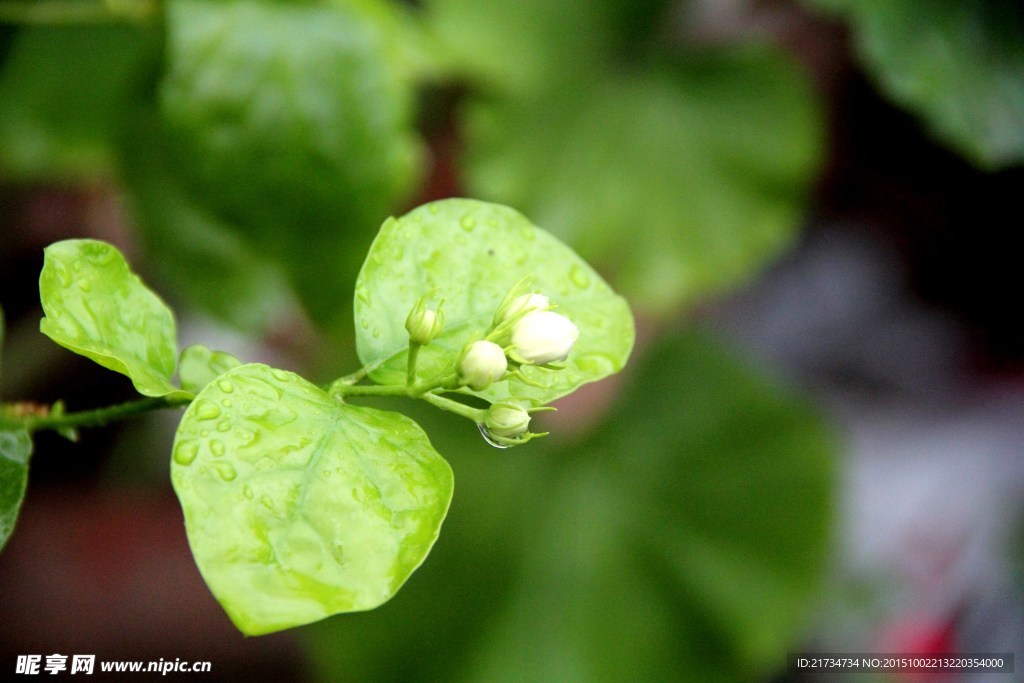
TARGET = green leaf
(297,506)
(685,538)
(59,115)
(471,254)
(199,366)
(291,124)
(703,180)
(15,449)
(957,65)
(98,308)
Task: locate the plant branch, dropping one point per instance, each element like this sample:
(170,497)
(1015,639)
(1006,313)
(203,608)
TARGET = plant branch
(36,420)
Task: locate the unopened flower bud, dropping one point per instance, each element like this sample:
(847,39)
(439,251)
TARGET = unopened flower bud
(543,337)
(424,324)
(482,363)
(520,306)
(507,420)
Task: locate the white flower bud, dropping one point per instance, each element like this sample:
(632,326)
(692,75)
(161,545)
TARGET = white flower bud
(520,306)
(507,420)
(543,337)
(482,363)
(424,324)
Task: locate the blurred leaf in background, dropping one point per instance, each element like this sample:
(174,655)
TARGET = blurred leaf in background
(683,539)
(680,172)
(957,65)
(63,91)
(292,125)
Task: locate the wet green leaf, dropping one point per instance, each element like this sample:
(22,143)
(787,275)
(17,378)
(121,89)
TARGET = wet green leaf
(291,125)
(958,65)
(59,114)
(15,449)
(98,308)
(471,254)
(680,178)
(298,506)
(199,366)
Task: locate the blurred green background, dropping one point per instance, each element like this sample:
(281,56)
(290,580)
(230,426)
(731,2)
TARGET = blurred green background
(689,520)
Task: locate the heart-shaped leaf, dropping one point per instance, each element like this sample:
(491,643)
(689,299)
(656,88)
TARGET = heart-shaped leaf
(98,308)
(471,253)
(297,506)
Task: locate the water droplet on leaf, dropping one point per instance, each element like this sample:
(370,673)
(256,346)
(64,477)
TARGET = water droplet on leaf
(185,452)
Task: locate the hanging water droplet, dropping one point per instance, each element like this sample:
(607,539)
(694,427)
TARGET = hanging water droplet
(487,436)
(185,452)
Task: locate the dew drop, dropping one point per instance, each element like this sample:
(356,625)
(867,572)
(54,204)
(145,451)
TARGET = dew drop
(204,433)
(226,402)
(487,436)
(281,375)
(225,386)
(207,411)
(375,332)
(217,447)
(363,294)
(467,222)
(247,492)
(225,471)
(185,452)
(85,285)
(364,323)
(224,425)
(579,277)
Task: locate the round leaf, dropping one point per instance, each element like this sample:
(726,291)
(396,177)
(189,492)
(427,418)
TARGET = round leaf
(470,254)
(98,308)
(297,506)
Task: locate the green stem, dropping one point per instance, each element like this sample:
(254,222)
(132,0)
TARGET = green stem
(475,414)
(88,418)
(414,352)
